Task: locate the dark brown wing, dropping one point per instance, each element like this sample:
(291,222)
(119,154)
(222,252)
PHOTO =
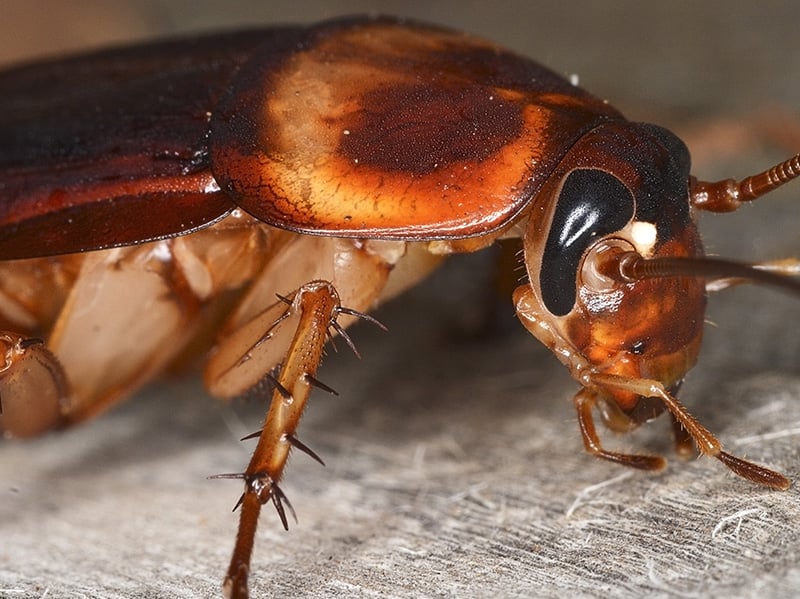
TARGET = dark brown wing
(383,128)
(111,148)
(358,127)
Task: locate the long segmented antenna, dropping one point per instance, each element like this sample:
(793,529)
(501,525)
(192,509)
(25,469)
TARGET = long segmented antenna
(633,267)
(719,196)
(729,194)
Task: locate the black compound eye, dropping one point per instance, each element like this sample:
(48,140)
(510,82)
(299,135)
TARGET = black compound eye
(591,205)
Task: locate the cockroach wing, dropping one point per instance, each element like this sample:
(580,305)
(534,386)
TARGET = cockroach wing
(109,149)
(389,129)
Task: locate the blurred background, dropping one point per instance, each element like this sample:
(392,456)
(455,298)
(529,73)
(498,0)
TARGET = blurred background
(455,467)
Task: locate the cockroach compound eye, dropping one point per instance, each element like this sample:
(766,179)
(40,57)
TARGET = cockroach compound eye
(265,189)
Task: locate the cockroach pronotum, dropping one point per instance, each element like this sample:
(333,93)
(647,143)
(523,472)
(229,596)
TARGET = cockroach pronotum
(265,189)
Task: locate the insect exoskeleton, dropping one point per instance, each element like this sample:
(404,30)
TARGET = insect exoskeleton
(250,195)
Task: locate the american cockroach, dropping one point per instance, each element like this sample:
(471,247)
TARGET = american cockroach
(252,194)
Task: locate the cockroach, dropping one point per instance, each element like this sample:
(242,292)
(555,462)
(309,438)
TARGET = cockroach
(249,195)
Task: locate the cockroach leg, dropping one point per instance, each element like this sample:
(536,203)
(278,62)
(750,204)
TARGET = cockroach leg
(315,306)
(276,385)
(34,391)
(284,299)
(363,316)
(235,585)
(315,382)
(253,435)
(684,445)
(706,442)
(754,472)
(343,334)
(584,401)
(340,330)
(298,444)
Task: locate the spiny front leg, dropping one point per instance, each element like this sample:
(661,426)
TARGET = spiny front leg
(316,308)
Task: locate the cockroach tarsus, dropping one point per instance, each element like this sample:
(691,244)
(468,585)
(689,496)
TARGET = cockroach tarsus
(255,193)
